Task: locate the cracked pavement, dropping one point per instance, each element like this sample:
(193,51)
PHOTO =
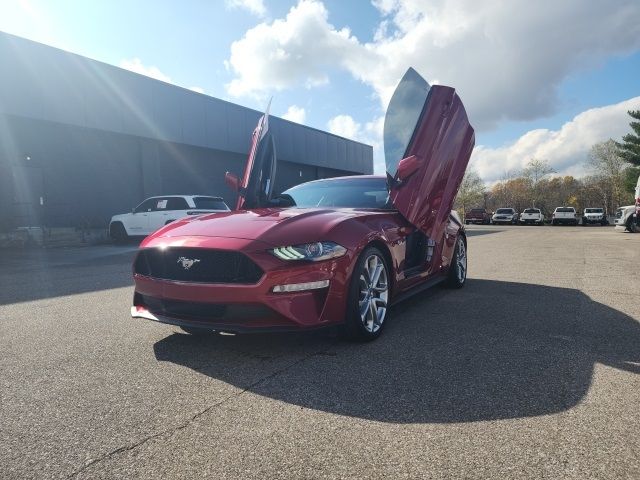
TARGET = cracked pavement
(532,370)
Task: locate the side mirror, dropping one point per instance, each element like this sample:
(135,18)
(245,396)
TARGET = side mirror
(232,181)
(407,167)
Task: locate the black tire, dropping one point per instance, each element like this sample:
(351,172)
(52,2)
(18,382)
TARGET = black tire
(633,225)
(357,325)
(466,222)
(118,233)
(200,332)
(457,274)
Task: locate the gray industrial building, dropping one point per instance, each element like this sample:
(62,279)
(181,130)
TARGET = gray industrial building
(81,140)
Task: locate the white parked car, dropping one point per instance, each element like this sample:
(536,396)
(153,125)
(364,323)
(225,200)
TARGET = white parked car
(156,212)
(532,216)
(594,216)
(564,215)
(505,215)
(625,218)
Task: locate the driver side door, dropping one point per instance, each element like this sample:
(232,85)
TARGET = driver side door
(428,142)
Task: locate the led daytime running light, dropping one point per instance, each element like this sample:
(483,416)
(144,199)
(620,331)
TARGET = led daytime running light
(299,287)
(288,253)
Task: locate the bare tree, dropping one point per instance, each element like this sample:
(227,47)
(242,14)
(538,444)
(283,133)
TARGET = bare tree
(535,172)
(605,162)
(471,192)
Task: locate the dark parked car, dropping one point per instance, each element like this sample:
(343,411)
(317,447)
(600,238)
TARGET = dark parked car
(477,215)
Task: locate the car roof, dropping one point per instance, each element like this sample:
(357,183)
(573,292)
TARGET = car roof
(185,196)
(350,177)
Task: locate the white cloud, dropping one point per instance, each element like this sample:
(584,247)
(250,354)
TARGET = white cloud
(506,59)
(345,126)
(369,133)
(297,50)
(565,149)
(136,65)
(295,114)
(254,6)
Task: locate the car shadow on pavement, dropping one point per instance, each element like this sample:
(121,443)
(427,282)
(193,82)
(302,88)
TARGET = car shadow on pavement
(493,350)
(34,274)
(477,232)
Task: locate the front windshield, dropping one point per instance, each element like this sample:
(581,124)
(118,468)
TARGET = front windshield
(341,193)
(593,210)
(504,210)
(532,210)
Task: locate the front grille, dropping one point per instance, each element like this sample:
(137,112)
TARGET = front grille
(197,265)
(203,312)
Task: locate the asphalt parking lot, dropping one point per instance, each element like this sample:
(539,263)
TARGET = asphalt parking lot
(531,371)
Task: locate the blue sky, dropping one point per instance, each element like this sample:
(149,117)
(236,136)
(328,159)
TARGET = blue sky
(538,79)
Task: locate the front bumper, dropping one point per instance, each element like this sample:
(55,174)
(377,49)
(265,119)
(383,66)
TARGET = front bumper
(593,220)
(531,220)
(250,307)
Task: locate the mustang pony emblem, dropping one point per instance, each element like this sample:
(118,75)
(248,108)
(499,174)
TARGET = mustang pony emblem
(187,263)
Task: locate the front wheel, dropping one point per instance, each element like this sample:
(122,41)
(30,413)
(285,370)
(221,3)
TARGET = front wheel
(368,296)
(118,233)
(457,275)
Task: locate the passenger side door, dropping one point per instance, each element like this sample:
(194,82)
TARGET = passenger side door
(137,223)
(427,141)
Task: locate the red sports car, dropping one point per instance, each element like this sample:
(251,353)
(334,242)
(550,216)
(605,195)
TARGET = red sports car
(338,251)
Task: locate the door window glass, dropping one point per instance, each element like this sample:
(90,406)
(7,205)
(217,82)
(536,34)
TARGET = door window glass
(210,203)
(146,206)
(402,117)
(177,203)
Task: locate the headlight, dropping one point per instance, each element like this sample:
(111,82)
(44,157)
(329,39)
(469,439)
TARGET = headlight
(310,251)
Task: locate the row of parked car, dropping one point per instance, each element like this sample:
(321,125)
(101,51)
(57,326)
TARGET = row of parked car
(535,216)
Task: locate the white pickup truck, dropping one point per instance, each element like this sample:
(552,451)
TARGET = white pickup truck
(625,218)
(564,215)
(156,212)
(532,216)
(594,216)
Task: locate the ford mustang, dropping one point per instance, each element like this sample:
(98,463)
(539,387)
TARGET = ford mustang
(329,252)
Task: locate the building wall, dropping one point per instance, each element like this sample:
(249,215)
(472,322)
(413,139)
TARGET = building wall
(62,175)
(81,140)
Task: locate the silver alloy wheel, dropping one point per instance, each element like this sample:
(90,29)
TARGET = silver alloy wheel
(374,293)
(461,260)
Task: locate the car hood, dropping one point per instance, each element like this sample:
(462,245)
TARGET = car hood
(275,226)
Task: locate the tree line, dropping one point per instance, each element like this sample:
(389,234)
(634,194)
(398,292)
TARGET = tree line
(612,171)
